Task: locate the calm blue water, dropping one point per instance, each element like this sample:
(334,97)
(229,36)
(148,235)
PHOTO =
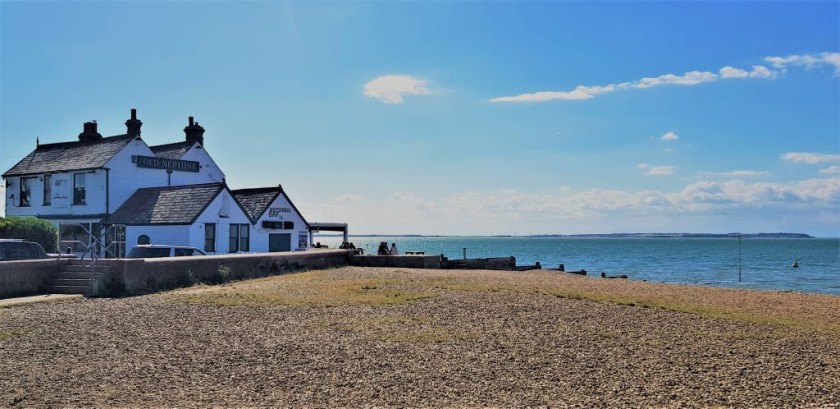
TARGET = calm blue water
(765,263)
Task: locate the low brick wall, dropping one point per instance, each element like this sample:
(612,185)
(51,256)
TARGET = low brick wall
(20,278)
(396,261)
(143,276)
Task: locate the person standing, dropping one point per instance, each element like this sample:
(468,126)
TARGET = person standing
(394,251)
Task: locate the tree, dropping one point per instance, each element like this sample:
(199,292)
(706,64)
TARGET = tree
(32,229)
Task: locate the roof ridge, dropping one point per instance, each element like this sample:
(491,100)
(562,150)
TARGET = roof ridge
(258,189)
(93,142)
(220,184)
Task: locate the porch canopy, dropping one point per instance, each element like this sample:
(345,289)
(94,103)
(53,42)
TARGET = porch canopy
(319,227)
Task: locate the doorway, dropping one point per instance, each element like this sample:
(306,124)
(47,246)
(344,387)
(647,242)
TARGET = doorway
(279,242)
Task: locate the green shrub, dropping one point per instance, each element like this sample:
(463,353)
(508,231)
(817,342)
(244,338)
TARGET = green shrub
(32,229)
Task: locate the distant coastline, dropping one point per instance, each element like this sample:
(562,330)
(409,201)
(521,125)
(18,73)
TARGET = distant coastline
(618,235)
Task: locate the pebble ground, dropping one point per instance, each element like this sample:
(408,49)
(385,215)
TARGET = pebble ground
(364,337)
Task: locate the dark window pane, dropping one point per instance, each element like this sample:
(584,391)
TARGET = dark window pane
(47,190)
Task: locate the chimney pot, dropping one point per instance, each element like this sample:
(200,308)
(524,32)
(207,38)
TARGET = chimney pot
(133,124)
(194,132)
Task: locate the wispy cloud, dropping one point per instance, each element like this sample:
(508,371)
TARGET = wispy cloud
(738,174)
(810,158)
(670,136)
(392,89)
(758,71)
(805,204)
(807,60)
(582,92)
(656,170)
(831,170)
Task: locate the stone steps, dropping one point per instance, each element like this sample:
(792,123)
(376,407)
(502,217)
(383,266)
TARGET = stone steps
(78,278)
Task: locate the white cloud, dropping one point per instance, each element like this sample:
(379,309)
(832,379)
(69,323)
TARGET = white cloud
(810,157)
(808,206)
(808,61)
(656,170)
(670,136)
(738,174)
(689,78)
(391,89)
(758,71)
(831,170)
(582,92)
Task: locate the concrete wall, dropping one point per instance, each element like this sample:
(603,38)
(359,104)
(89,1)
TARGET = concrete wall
(143,276)
(497,263)
(396,261)
(20,278)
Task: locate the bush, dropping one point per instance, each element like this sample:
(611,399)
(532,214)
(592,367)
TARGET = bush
(32,229)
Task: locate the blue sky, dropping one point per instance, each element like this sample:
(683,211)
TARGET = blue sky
(461,117)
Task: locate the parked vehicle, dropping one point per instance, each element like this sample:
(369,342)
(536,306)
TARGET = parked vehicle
(19,249)
(162,250)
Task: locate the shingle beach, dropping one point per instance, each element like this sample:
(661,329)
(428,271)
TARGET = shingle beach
(389,337)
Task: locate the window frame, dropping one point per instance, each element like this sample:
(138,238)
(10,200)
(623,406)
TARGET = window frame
(79,193)
(25,191)
(210,241)
(239,238)
(47,190)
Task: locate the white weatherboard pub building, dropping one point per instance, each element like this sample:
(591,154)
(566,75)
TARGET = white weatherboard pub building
(106,194)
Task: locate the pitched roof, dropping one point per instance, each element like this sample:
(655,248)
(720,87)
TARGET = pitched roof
(256,201)
(172,150)
(166,205)
(66,156)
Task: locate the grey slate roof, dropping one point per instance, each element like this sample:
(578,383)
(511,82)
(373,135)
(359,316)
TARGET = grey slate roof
(68,156)
(171,150)
(256,201)
(165,205)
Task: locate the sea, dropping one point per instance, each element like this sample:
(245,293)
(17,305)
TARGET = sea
(754,263)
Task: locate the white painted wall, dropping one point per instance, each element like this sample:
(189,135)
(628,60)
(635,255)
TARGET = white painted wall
(172,235)
(126,177)
(222,204)
(259,239)
(209,172)
(62,192)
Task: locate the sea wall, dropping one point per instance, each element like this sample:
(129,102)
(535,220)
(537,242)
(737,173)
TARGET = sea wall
(396,261)
(143,276)
(20,278)
(497,263)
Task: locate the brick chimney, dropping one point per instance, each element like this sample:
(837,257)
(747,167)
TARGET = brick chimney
(133,125)
(195,132)
(89,133)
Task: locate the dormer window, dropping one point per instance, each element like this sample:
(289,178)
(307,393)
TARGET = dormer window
(26,192)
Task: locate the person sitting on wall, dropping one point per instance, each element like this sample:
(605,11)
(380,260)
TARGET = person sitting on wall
(318,245)
(394,251)
(383,249)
